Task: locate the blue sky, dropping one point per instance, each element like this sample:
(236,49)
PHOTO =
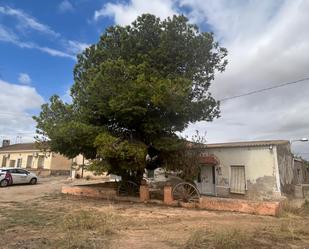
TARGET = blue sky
(49,74)
(268,43)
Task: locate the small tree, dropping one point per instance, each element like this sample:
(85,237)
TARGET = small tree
(139,84)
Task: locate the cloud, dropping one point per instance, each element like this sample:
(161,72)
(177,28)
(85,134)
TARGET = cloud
(76,47)
(267,43)
(15,103)
(26,21)
(7,35)
(125,13)
(55,52)
(69,48)
(24,79)
(65,6)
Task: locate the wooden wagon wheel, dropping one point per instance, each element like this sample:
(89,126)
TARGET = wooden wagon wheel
(186,192)
(128,188)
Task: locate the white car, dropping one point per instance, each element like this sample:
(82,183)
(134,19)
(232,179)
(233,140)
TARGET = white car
(9,176)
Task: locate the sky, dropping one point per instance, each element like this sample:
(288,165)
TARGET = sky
(267,42)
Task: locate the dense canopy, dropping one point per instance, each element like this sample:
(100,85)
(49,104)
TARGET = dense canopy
(139,85)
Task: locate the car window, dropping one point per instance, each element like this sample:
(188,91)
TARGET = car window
(13,171)
(20,171)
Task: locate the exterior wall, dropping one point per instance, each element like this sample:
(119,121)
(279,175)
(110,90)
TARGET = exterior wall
(261,171)
(60,162)
(285,164)
(54,164)
(23,155)
(78,161)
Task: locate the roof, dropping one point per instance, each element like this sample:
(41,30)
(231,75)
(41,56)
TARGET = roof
(20,147)
(248,144)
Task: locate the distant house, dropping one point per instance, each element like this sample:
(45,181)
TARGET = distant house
(28,156)
(301,171)
(257,170)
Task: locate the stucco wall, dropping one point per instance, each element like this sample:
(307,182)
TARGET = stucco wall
(261,171)
(59,162)
(285,163)
(24,155)
(52,161)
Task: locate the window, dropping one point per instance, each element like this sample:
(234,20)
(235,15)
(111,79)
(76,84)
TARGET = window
(238,180)
(12,163)
(29,161)
(4,161)
(41,162)
(21,171)
(19,161)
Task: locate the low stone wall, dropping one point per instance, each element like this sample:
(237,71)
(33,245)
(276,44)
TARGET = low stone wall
(243,206)
(209,203)
(107,193)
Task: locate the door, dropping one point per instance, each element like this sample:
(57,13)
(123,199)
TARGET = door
(238,180)
(29,162)
(41,162)
(206,181)
(19,161)
(19,176)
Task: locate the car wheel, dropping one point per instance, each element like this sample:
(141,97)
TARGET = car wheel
(4,183)
(33,181)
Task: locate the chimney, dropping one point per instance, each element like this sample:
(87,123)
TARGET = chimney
(5,142)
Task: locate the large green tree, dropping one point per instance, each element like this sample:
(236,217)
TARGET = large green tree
(139,84)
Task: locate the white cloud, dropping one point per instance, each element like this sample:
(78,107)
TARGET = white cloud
(124,14)
(15,102)
(76,47)
(55,52)
(267,43)
(24,79)
(26,21)
(7,35)
(65,6)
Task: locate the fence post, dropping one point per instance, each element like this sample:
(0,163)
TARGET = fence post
(144,192)
(168,195)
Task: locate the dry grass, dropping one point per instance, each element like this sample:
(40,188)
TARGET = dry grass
(84,229)
(64,222)
(288,208)
(88,229)
(288,232)
(224,239)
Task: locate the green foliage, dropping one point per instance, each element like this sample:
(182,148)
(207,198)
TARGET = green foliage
(118,156)
(139,83)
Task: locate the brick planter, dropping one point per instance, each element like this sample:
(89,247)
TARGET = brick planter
(243,206)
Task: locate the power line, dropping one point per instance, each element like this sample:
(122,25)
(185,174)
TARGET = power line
(223,99)
(265,89)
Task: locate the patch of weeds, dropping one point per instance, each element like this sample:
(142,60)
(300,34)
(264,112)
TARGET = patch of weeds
(87,229)
(27,216)
(102,222)
(223,239)
(290,209)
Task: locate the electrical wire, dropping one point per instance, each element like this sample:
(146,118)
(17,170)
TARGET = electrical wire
(265,89)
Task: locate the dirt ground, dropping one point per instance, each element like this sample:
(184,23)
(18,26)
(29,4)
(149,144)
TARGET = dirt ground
(35,217)
(20,193)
